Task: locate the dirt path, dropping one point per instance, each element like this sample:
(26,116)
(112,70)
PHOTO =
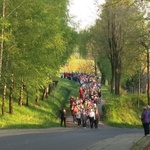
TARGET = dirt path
(70,122)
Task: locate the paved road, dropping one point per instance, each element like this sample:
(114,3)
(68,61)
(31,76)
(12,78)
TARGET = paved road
(70,138)
(76,138)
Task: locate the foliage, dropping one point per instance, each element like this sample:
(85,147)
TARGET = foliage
(75,64)
(37,41)
(44,114)
(124,111)
(117,111)
(115,38)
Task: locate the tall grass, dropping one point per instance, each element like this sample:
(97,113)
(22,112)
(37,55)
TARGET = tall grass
(43,114)
(123,111)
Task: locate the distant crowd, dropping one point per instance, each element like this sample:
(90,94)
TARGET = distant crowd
(84,108)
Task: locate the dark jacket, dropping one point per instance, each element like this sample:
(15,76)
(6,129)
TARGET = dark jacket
(63,113)
(145,116)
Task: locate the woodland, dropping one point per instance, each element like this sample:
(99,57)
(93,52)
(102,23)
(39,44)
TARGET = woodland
(37,38)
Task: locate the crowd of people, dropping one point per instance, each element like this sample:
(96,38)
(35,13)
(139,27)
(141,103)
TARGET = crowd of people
(84,108)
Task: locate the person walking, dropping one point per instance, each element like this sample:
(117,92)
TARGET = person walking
(81,92)
(91,117)
(96,120)
(74,112)
(84,118)
(63,116)
(145,121)
(78,117)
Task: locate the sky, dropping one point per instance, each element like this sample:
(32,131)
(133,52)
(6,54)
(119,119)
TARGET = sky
(84,12)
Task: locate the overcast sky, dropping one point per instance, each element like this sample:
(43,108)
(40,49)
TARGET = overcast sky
(84,11)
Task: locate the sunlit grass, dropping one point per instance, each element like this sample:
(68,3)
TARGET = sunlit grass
(120,111)
(123,111)
(44,114)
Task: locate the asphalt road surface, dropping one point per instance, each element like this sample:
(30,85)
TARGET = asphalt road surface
(69,138)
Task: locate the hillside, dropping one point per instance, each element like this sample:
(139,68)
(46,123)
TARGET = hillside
(43,114)
(118,111)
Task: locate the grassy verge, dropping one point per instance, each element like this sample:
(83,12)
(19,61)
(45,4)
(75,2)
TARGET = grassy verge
(43,114)
(123,111)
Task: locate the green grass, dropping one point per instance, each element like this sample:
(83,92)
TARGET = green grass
(118,111)
(44,114)
(123,111)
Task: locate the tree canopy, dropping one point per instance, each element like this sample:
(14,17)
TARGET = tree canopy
(35,41)
(116,40)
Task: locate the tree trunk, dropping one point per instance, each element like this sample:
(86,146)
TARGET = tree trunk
(27,98)
(37,99)
(103,78)
(4,99)
(117,76)
(117,83)
(95,66)
(37,96)
(11,95)
(148,74)
(2,37)
(21,93)
(45,93)
(50,88)
(112,77)
(103,74)
(148,77)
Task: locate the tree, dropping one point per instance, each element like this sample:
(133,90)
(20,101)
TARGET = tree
(144,38)
(117,30)
(37,43)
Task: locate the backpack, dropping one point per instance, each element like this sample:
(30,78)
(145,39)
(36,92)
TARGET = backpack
(75,110)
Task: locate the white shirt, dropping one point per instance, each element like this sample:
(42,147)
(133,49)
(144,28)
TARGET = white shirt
(92,114)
